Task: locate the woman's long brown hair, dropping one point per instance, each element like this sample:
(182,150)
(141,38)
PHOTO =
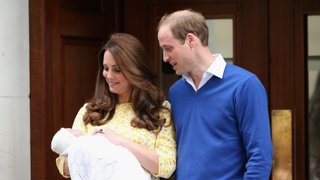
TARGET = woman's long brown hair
(147,99)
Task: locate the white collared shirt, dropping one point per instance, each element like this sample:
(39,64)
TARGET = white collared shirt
(216,68)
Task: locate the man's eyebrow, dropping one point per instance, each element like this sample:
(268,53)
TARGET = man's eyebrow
(165,46)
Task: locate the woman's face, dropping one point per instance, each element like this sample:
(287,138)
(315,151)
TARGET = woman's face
(118,84)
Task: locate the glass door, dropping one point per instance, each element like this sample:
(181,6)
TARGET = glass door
(314,95)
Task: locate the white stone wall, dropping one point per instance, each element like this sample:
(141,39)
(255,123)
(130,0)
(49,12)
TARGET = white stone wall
(14,90)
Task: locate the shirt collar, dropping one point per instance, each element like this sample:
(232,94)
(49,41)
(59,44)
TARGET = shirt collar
(216,68)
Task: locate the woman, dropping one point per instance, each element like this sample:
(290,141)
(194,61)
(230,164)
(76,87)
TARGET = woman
(128,109)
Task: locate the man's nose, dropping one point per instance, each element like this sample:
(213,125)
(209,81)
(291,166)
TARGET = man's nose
(165,57)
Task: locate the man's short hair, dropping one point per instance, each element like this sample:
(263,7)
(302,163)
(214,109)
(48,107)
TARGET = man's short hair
(186,21)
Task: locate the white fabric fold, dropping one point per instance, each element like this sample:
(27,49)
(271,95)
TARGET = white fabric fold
(94,157)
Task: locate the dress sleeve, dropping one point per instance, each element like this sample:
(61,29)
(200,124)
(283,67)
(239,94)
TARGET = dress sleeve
(60,162)
(165,146)
(78,121)
(77,124)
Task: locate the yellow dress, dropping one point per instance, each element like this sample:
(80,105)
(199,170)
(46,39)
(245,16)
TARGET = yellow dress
(163,142)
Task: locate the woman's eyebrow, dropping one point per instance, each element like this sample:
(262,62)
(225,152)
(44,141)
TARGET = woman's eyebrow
(111,66)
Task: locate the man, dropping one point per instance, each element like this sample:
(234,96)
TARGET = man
(220,111)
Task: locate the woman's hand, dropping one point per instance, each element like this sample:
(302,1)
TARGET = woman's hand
(66,167)
(111,135)
(148,158)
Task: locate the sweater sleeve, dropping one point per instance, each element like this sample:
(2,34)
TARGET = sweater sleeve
(165,146)
(77,124)
(253,118)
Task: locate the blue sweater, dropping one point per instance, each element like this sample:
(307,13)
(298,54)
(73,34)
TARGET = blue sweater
(222,130)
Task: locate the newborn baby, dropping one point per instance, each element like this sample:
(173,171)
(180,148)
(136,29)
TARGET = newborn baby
(95,157)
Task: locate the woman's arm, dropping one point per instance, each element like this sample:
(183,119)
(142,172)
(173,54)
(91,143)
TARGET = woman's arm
(165,145)
(60,161)
(161,159)
(66,167)
(148,158)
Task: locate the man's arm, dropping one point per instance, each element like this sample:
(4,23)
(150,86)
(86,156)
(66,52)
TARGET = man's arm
(254,126)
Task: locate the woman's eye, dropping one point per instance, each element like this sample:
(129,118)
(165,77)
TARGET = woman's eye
(117,70)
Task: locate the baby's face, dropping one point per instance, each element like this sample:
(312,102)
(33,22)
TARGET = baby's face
(75,132)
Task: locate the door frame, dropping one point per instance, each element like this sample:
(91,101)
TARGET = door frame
(277,29)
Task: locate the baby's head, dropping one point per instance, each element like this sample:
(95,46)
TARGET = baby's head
(63,139)
(75,132)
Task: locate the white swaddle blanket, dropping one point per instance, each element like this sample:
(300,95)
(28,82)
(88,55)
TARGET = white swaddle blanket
(96,158)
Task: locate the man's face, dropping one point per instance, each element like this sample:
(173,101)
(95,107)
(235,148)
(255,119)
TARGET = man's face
(174,52)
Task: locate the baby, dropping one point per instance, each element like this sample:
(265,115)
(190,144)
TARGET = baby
(95,157)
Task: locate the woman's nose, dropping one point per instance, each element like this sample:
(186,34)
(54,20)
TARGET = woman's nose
(109,75)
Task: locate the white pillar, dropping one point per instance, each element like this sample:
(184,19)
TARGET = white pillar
(14,90)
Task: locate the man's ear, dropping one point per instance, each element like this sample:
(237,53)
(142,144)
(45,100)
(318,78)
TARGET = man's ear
(190,39)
